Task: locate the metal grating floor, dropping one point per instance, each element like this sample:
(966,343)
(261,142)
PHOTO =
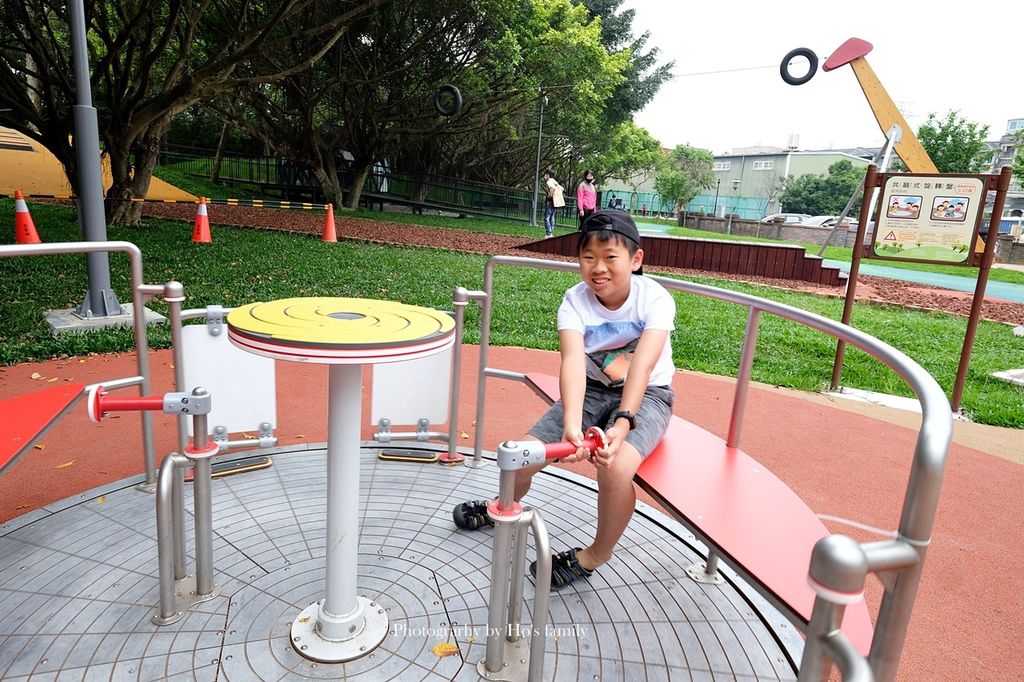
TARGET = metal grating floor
(78,586)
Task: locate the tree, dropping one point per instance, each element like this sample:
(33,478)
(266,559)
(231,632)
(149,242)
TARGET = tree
(150,60)
(625,151)
(643,76)
(822,194)
(549,55)
(772,186)
(594,74)
(955,144)
(1018,158)
(371,96)
(685,173)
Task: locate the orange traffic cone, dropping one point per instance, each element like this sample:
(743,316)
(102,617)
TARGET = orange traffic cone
(201,230)
(330,234)
(24,228)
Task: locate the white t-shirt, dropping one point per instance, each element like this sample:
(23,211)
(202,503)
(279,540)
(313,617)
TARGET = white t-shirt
(610,336)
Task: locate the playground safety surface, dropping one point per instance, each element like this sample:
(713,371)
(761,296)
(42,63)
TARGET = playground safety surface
(78,540)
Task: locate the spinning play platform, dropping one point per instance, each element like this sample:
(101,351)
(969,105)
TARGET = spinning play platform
(345,333)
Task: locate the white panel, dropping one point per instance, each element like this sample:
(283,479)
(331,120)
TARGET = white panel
(406,392)
(241,385)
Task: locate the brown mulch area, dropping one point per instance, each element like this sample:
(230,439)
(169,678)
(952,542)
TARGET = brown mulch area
(869,289)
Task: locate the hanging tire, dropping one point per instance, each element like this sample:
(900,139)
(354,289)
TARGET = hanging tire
(454,97)
(811,70)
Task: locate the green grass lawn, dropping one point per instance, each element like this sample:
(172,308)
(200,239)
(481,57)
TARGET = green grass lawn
(242,266)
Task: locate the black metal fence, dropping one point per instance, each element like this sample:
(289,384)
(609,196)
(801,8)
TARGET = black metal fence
(277,176)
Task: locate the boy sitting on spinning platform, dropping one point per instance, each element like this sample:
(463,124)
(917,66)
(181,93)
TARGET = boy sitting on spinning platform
(616,373)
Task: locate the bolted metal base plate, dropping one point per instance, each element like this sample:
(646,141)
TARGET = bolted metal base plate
(185,597)
(308,642)
(698,572)
(516,665)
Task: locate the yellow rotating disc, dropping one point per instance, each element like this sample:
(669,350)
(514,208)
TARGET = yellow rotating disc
(339,323)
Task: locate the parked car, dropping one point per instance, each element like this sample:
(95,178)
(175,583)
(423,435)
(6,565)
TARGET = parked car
(785,218)
(828,221)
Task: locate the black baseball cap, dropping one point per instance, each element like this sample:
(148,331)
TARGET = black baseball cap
(611,221)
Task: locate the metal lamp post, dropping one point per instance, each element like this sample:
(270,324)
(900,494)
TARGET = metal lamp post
(536,172)
(100,300)
(718,183)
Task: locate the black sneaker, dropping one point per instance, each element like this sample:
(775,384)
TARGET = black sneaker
(565,569)
(471,515)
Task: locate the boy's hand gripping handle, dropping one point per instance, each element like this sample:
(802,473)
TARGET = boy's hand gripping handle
(593,439)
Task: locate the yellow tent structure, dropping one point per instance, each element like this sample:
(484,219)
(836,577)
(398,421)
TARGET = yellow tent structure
(30,167)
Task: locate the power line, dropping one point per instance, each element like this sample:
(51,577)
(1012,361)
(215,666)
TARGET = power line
(709,73)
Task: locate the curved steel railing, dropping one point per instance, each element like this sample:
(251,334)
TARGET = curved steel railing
(834,575)
(140,292)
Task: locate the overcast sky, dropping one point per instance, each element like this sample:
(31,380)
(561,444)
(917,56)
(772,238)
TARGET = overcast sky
(930,56)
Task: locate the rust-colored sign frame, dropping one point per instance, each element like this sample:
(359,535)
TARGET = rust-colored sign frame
(874,180)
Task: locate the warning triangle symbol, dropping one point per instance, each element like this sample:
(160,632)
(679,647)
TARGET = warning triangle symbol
(891,237)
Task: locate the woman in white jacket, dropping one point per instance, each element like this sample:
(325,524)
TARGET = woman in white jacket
(555,199)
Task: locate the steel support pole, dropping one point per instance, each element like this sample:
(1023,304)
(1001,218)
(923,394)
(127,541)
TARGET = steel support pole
(739,401)
(202,502)
(536,170)
(174,294)
(341,609)
(541,598)
(100,300)
(177,516)
(518,577)
(460,298)
(870,181)
(501,567)
(165,545)
(1002,185)
(342,626)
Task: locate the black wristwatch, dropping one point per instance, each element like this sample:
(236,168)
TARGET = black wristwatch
(628,416)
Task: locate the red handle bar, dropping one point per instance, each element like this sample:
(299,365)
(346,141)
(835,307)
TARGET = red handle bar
(593,439)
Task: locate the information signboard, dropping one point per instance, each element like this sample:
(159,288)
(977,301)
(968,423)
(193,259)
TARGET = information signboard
(931,218)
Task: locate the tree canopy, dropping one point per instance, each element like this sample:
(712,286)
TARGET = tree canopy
(319,80)
(149,61)
(955,144)
(643,75)
(822,194)
(1018,158)
(684,174)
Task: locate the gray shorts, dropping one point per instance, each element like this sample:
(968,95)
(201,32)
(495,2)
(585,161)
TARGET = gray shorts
(600,402)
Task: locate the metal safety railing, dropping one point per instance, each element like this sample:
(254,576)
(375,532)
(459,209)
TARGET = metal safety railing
(140,294)
(178,590)
(839,565)
(176,595)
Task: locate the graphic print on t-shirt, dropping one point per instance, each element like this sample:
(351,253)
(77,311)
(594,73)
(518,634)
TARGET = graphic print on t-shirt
(617,342)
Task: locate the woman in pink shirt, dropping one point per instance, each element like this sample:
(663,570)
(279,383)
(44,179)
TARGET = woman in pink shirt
(586,196)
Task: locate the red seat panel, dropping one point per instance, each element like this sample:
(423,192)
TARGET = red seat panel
(753,517)
(26,417)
